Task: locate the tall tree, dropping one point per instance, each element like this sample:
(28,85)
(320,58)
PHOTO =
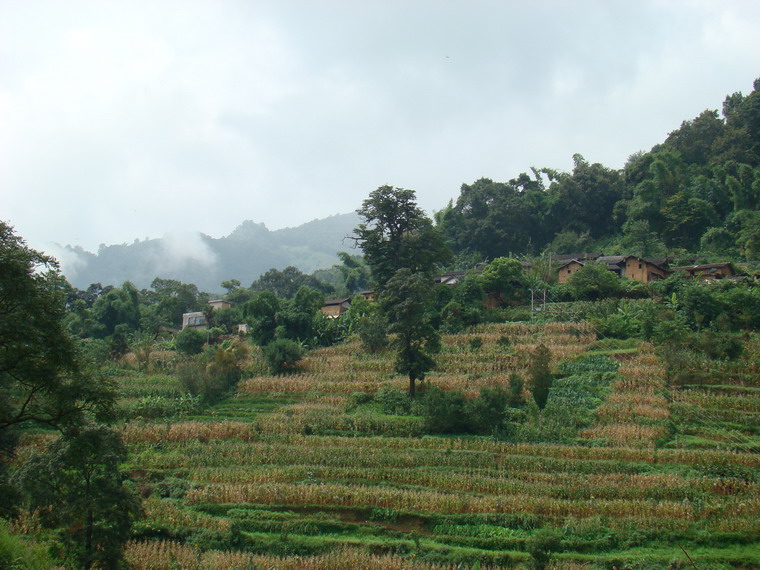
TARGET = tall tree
(396,234)
(407,301)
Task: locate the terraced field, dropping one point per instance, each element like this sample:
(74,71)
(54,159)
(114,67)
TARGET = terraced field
(302,471)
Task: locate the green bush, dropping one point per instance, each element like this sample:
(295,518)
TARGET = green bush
(542,544)
(394,402)
(444,412)
(485,414)
(190,341)
(17,552)
(215,372)
(372,332)
(173,488)
(356,399)
(282,355)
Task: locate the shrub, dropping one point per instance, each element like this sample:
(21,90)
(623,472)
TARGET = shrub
(394,402)
(617,326)
(173,488)
(445,412)
(541,544)
(516,385)
(372,332)
(282,355)
(356,399)
(190,341)
(485,414)
(594,281)
(719,346)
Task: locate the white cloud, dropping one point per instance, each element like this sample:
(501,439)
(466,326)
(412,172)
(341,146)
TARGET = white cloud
(123,119)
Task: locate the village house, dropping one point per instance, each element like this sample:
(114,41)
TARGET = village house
(334,308)
(709,270)
(197,319)
(219,304)
(630,266)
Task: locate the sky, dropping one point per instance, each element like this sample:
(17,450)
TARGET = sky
(135,119)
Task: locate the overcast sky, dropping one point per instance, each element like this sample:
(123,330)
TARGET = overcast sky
(135,118)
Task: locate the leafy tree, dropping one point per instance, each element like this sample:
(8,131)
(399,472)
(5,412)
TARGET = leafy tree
(541,544)
(354,272)
(231,285)
(406,301)
(495,218)
(172,298)
(226,317)
(694,139)
(639,239)
(286,283)
(444,412)
(42,378)
(396,234)
(298,318)
(77,487)
(120,306)
(584,200)
(282,355)
(486,412)
(540,375)
(594,281)
(261,313)
(504,277)
(190,341)
(516,384)
(372,331)
(718,242)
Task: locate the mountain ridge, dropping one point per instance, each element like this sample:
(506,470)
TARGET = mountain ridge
(192,257)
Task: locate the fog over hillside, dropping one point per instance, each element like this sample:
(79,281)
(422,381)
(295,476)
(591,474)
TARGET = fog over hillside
(192,257)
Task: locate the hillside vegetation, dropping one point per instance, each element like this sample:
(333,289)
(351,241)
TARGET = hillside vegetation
(327,467)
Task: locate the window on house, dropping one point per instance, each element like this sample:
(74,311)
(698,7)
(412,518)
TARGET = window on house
(639,266)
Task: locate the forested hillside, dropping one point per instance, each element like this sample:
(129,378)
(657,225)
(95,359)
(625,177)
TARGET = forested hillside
(696,192)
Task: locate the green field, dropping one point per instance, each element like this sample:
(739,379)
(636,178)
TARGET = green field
(621,470)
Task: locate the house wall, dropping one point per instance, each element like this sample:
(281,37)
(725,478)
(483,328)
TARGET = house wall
(196,320)
(567,271)
(718,272)
(643,271)
(331,310)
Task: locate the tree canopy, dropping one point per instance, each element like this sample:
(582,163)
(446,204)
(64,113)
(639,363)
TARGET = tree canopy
(42,378)
(397,234)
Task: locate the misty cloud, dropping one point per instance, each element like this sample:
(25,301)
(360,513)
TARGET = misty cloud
(125,119)
(180,249)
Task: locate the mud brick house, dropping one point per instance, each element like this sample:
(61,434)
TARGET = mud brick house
(709,270)
(630,266)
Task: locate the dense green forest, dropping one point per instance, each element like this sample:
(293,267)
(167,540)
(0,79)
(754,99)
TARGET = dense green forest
(501,420)
(698,192)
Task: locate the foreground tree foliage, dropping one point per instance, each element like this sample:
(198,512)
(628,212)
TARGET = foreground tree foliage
(42,378)
(77,487)
(43,381)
